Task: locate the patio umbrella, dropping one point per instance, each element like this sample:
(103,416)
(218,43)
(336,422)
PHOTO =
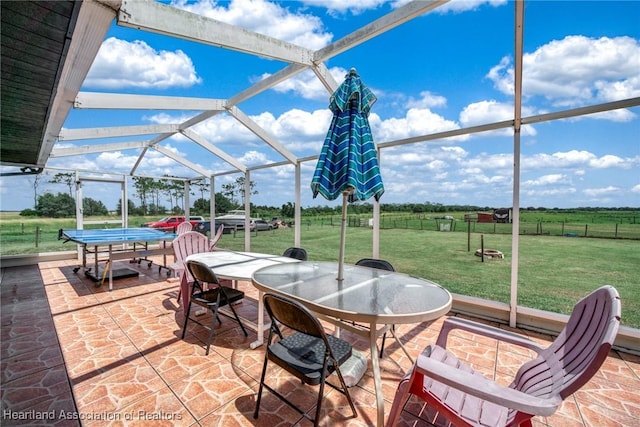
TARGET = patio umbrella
(348,162)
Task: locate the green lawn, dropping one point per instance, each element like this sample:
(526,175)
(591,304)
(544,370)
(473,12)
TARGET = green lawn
(554,272)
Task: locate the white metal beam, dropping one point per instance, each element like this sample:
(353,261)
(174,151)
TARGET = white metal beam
(214,150)
(377,27)
(262,134)
(266,83)
(174,22)
(94,20)
(99,148)
(125,101)
(182,160)
(322,72)
(115,131)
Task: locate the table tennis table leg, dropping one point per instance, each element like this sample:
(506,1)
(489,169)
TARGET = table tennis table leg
(95,261)
(110,270)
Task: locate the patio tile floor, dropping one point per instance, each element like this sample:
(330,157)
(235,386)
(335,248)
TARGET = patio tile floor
(76,354)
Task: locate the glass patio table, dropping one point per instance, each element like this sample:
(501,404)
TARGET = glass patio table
(373,298)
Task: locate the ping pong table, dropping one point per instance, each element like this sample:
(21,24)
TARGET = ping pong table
(117,244)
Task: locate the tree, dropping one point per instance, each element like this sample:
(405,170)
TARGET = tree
(288,210)
(91,207)
(58,206)
(64,178)
(223,204)
(236,189)
(35,182)
(131,207)
(201,206)
(143,188)
(202,186)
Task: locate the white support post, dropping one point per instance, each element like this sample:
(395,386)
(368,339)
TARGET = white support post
(212,205)
(185,199)
(124,203)
(247,210)
(376,222)
(297,218)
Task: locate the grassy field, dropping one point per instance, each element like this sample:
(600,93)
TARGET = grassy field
(554,272)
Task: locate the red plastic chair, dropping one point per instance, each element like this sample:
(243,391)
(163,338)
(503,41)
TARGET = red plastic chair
(467,398)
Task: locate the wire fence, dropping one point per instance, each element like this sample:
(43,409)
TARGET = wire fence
(42,237)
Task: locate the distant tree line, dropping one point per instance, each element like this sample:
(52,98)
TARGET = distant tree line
(62,205)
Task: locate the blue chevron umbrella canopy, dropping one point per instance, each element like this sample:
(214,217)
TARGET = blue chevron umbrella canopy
(348,160)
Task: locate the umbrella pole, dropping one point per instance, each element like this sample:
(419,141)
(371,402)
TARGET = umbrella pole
(343,232)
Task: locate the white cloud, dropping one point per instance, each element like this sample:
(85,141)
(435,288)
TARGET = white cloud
(265,18)
(601,192)
(306,85)
(576,70)
(635,188)
(576,159)
(458,6)
(416,122)
(122,64)
(491,111)
(343,6)
(427,100)
(546,180)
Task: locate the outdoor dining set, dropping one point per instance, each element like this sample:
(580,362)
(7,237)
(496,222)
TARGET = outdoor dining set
(369,299)
(303,298)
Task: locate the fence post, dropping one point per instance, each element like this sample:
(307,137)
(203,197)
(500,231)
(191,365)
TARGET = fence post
(616,235)
(586,228)
(37,235)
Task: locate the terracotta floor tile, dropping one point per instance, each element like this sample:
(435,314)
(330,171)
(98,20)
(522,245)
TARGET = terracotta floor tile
(121,354)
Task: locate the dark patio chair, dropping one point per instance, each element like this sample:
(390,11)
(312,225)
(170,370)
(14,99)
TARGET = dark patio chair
(296,253)
(306,352)
(212,299)
(380,264)
(465,397)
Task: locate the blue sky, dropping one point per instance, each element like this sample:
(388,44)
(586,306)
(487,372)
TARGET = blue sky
(451,68)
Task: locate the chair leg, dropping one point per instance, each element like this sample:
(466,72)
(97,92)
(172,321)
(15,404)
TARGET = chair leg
(259,397)
(346,391)
(384,337)
(399,400)
(186,319)
(238,319)
(214,315)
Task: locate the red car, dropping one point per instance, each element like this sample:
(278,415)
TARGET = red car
(170,223)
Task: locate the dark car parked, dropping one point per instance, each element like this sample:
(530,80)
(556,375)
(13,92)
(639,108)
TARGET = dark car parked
(204,227)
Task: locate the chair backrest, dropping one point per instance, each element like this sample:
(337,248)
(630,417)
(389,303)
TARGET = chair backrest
(293,315)
(216,238)
(189,243)
(184,227)
(578,352)
(297,253)
(380,264)
(202,272)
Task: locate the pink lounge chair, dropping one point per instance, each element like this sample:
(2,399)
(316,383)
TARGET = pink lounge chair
(216,238)
(467,398)
(186,244)
(184,227)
